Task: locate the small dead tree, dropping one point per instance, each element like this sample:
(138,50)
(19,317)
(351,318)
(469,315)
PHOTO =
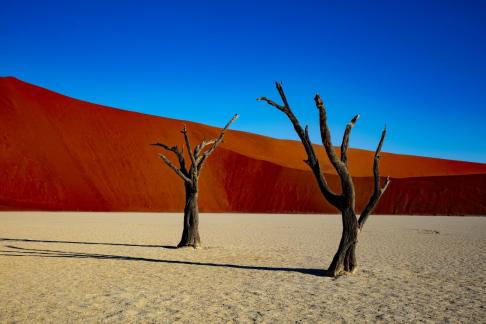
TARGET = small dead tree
(344,260)
(190,233)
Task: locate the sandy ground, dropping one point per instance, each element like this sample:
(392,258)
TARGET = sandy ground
(120,267)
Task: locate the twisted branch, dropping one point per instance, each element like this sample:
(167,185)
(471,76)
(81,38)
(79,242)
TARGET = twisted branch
(326,138)
(378,192)
(345,143)
(196,158)
(200,147)
(214,144)
(312,160)
(176,151)
(173,167)
(189,149)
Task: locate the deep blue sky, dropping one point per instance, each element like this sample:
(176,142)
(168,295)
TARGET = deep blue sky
(419,67)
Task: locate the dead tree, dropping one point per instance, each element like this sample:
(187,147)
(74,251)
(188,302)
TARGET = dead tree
(344,260)
(190,233)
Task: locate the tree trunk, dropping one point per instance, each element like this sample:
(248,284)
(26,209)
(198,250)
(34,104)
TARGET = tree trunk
(345,258)
(350,263)
(190,234)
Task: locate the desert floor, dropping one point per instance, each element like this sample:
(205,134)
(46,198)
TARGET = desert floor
(122,267)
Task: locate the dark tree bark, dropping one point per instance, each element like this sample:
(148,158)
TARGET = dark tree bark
(344,260)
(190,233)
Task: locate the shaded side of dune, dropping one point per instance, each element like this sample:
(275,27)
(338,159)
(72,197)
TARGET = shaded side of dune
(265,187)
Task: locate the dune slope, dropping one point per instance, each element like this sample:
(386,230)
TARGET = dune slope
(59,153)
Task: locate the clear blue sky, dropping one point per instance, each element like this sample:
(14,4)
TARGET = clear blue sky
(419,67)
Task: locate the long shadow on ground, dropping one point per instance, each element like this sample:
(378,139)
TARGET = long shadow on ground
(22,252)
(90,243)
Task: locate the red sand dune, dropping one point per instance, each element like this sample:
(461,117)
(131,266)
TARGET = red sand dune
(59,153)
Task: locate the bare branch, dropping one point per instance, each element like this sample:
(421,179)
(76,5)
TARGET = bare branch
(200,147)
(168,148)
(215,142)
(282,94)
(345,143)
(272,103)
(175,150)
(378,192)
(326,138)
(304,137)
(173,167)
(387,182)
(188,144)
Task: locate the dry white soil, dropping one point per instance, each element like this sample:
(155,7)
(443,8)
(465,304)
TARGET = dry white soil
(122,267)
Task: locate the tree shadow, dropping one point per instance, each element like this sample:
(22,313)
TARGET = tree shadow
(22,252)
(90,243)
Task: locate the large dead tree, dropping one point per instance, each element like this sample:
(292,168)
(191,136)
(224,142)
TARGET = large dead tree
(344,260)
(190,233)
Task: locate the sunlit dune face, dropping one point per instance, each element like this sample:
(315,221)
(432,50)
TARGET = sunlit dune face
(60,153)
